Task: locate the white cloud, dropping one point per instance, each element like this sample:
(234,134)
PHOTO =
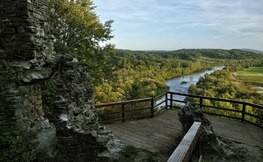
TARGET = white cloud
(223,18)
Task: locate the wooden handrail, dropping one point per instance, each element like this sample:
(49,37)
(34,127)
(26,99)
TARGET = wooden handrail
(201,104)
(159,103)
(122,102)
(123,110)
(159,96)
(254,105)
(184,151)
(205,97)
(243,103)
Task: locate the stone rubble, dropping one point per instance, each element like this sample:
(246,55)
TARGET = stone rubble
(210,143)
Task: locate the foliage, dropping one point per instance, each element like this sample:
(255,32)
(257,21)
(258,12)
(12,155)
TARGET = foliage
(48,97)
(220,84)
(144,73)
(79,32)
(17,148)
(130,151)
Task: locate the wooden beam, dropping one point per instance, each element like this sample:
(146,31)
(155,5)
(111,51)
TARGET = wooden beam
(185,149)
(122,102)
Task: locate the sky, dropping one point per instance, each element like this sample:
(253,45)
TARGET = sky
(177,24)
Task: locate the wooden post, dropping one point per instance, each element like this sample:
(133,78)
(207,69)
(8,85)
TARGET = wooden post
(152,108)
(171,101)
(199,149)
(243,112)
(201,103)
(166,100)
(123,113)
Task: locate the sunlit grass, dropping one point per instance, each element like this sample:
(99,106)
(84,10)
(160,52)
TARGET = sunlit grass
(252,75)
(255,70)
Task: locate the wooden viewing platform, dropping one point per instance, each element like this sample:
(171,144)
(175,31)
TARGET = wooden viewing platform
(162,132)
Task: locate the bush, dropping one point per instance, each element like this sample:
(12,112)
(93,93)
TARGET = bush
(15,147)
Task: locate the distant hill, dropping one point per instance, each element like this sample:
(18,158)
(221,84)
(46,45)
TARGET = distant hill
(191,54)
(252,50)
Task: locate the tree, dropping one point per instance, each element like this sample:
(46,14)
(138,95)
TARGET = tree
(79,32)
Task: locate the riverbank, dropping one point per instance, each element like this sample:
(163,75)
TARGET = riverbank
(183,73)
(189,79)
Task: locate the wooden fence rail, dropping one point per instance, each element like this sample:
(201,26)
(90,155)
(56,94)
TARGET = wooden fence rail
(243,113)
(124,109)
(150,110)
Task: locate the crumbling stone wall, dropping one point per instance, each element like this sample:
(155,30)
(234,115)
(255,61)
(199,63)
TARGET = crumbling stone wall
(25,52)
(27,60)
(210,143)
(78,130)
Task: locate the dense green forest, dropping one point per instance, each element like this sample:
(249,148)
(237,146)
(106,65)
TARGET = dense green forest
(143,73)
(222,84)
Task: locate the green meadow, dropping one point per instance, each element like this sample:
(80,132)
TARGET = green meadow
(252,75)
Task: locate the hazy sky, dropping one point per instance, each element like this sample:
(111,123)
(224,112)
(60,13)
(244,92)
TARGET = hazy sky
(176,24)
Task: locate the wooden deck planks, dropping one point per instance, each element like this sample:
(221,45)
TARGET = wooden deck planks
(154,134)
(161,132)
(236,130)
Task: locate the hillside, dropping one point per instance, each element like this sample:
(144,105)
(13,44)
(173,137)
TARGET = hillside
(193,54)
(139,74)
(252,50)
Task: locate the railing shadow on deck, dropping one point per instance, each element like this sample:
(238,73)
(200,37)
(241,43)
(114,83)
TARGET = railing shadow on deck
(147,108)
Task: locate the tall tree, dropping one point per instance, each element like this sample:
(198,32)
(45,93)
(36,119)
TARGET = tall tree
(79,32)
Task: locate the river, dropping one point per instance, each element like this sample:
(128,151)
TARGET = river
(181,84)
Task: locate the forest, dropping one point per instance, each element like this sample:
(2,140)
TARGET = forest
(143,73)
(223,84)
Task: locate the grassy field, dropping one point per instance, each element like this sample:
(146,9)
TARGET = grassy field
(252,75)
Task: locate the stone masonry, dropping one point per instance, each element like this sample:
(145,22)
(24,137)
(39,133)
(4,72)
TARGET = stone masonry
(25,52)
(27,60)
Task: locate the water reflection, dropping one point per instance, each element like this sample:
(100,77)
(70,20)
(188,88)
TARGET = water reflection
(181,84)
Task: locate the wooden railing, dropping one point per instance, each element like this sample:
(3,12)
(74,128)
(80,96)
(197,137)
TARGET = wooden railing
(128,110)
(184,151)
(239,109)
(147,108)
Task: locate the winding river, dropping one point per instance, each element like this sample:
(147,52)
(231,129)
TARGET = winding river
(181,84)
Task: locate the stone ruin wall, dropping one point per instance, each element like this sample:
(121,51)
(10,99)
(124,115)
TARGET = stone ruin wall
(25,50)
(27,60)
